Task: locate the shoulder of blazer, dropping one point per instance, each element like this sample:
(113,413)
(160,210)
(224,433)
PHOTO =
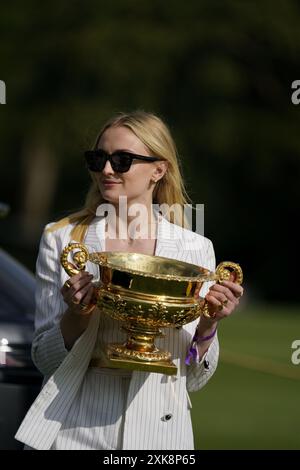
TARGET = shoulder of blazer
(60,233)
(65,230)
(183,235)
(55,239)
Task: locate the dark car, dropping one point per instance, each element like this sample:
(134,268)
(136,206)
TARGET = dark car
(20,381)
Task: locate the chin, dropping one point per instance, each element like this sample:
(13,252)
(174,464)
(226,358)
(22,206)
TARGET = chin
(108,196)
(108,193)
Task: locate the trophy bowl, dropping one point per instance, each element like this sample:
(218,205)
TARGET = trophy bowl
(146,293)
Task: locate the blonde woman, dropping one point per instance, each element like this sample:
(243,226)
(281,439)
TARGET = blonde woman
(82,407)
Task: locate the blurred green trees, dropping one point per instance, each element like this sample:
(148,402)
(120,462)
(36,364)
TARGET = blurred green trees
(220,73)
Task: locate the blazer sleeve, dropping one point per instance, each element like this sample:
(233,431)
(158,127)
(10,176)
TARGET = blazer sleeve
(199,373)
(48,348)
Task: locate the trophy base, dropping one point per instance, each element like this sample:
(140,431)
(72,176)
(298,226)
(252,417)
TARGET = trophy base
(167,368)
(119,356)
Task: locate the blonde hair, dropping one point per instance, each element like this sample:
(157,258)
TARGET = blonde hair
(154,133)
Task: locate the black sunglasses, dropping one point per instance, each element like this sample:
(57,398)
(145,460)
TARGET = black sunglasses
(120,161)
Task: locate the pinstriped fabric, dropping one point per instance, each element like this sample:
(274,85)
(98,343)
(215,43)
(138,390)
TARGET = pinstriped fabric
(86,409)
(43,420)
(95,417)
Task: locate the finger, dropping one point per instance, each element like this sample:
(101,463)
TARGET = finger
(69,293)
(78,297)
(88,298)
(214,305)
(217,288)
(220,310)
(235,288)
(219,296)
(73,280)
(83,281)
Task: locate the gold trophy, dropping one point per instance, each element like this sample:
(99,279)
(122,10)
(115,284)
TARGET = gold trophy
(146,293)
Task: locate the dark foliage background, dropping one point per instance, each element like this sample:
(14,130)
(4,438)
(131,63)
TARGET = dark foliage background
(219,73)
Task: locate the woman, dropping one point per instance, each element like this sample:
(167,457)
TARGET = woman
(84,407)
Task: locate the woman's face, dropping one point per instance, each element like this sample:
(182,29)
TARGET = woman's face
(139,181)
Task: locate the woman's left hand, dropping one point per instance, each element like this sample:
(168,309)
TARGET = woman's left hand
(223,298)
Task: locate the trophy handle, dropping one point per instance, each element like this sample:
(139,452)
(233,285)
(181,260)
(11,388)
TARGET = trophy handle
(79,258)
(226,268)
(222,273)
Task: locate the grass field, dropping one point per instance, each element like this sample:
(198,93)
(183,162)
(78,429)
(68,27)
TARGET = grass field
(253,400)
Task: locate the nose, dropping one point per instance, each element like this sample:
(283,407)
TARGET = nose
(107,170)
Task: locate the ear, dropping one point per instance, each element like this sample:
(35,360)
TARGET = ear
(160,170)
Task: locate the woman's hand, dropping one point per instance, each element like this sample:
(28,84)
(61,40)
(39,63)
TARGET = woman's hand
(78,293)
(223,298)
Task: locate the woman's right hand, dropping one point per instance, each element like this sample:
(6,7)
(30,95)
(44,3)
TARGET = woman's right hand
(78,293)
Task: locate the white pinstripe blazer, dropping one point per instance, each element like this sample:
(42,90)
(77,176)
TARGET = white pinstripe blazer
(151,396)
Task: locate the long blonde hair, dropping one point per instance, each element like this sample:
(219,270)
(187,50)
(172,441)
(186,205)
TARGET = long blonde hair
(154,133)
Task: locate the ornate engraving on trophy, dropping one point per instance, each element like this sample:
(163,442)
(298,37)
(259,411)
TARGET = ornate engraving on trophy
(146,293)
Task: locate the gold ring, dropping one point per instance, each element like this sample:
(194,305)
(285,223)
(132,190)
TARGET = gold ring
(222,304)
(67,284)
(83,306)
(87,308)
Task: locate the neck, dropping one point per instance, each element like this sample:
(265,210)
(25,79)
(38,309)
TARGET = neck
(132,220)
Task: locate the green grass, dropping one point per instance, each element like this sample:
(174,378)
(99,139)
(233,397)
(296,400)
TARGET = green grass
(253,400)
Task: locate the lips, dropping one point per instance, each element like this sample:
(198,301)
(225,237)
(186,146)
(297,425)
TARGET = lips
(110,182)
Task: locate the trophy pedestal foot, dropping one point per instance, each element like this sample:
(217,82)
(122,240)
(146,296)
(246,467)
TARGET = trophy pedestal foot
(167,368)
(158,361)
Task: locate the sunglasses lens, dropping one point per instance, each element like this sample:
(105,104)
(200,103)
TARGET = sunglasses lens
(95,160)
(121,162)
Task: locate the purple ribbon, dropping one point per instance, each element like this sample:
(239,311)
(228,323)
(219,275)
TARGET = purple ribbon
(193,353)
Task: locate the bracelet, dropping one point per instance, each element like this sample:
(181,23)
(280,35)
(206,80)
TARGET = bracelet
(205,338)
(193,353)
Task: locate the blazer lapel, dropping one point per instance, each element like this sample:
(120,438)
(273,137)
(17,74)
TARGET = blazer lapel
(166,244)
(97,233)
